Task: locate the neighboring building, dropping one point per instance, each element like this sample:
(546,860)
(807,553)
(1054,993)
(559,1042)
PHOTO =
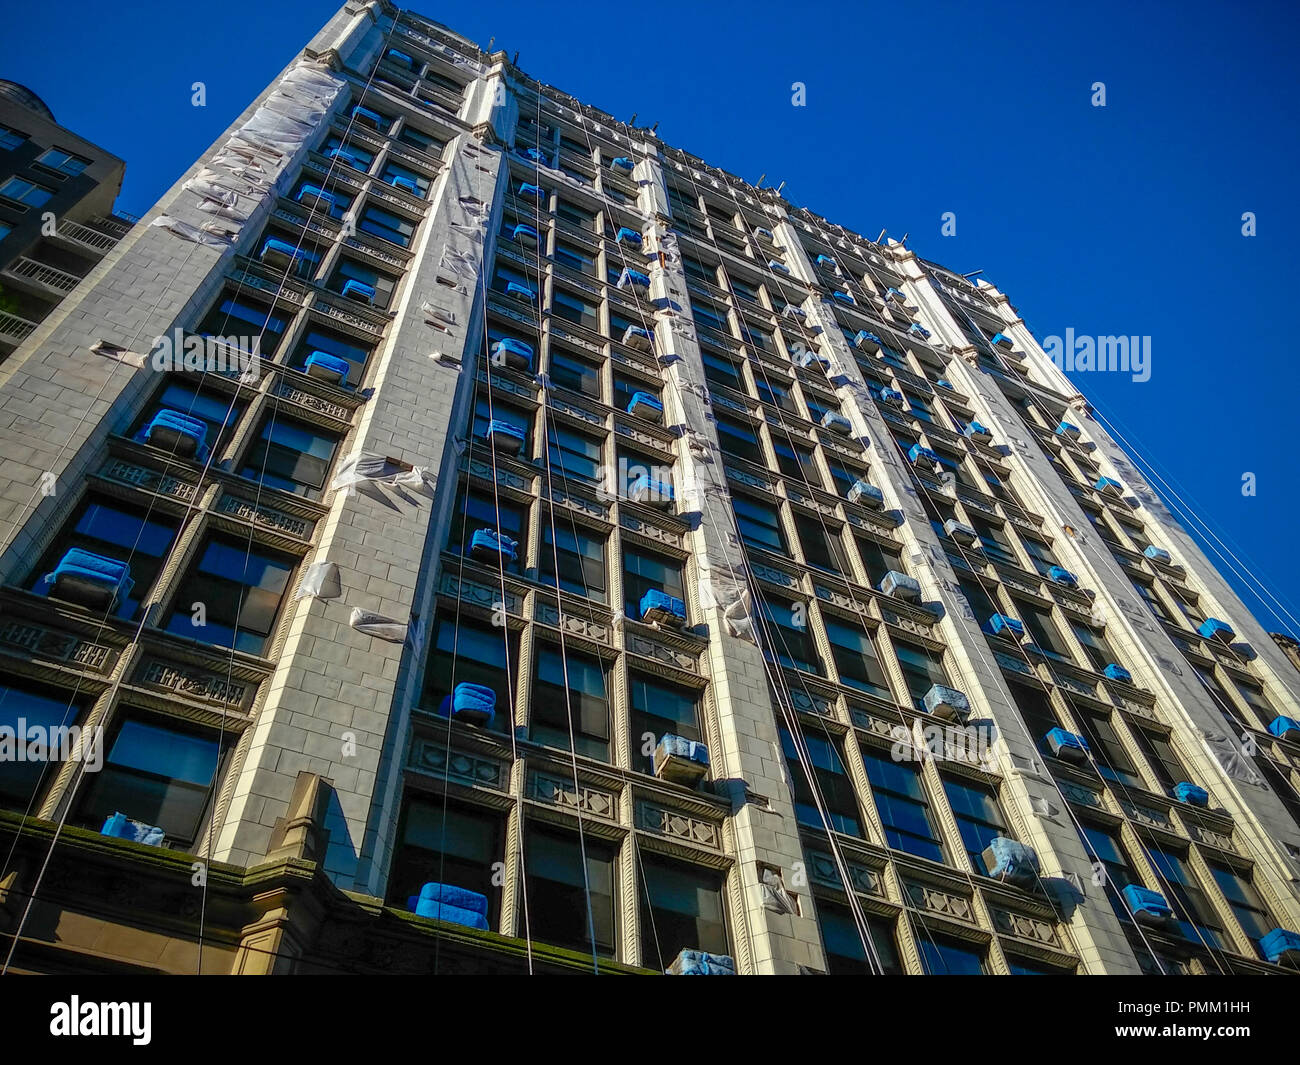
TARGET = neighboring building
(56,211)
(532,384)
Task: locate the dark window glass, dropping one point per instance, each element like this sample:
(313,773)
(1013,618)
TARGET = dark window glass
(383,284)
(1042,629)
(331,343)
(760,524)
(446,843)
(1160,753)
(643,573)
(291,455)
(212,408)
(37,708)
(1249,909)
(788,636)
(386,225)
(1094,645)
(994,541)
(1036,708)
(1039,552)
(795,461)
(681,906)
(879,559)
(572,454)
(845,953)
(979,817)
(832,784)
(658,710)
(903,806)
(1102,846)
(1108,751)
(477,511)
(1197,918)
(738,440)
(245,320)
(240,587)
(855,658)
(397,175)
(1031,967)
(579,705)
(777,395)
(559,895)
(822,547)
(579,557)
(468,652)
(120,532)
(942,956)
(922,669)
(155,773)
(575,374)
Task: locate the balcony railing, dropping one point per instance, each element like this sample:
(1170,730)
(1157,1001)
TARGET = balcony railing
(91,238)
(13,328)
(46,275)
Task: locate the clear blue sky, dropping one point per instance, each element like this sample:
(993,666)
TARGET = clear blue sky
(1117,220)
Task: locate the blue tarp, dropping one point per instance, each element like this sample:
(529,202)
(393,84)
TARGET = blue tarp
(176,432)
(358,290)
(85,572)
(699,963)
(329,366)
(485,542)
(120,826)
(663,604)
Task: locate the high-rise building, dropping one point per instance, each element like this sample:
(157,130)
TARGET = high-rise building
(56,211)
(474,535)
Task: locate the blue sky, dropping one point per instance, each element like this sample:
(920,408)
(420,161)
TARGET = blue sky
(1117,220)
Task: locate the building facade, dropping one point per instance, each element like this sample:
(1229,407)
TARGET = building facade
(429,375)
(57,219)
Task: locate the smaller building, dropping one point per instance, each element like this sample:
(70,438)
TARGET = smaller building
(57,221)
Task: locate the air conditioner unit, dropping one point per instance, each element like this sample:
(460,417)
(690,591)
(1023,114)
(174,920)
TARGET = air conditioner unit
(698,963)
(278,253)
(868,341)
(1118,672)
(181,434)
(536,156)
(779,267)
(947,703)
(1108,486)
(1281,947)
(533,192)
(961,532)
(892,396)
(1011,861)
(622,162)
(504,437)
(919,331)
(1285,728)
(646,490)
(681,761)
(367,117)
(1068,747)
(487,545)
(836,423)
(629,236)
(826,260)
(1063,576)
(520,292)
(808,358)
(917,453)
(792,311)
(1148,907)
(90,580)
(634,281)
(978,433)
(455,905)
(1001,625)
(358,291)
(843,297)
(475,704)
(637,338)
(1002,342)
(1214,629)
(660,608)
(1158,554)
(764,234)
(901,586)
(405,184)
(326,367)
(644,405)
(512,353)
(119,826)
(868,495)
(524,234)
(1068,430)
(1192,794)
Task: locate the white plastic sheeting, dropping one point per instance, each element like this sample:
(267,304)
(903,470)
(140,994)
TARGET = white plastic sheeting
(363,467)
(1235,762)
(320,581)
(378,625)
(209,233)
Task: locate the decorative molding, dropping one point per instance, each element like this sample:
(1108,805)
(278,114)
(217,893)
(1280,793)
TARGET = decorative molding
(190,682)
(678,825)
(37,641)
(584,798)
(431,756)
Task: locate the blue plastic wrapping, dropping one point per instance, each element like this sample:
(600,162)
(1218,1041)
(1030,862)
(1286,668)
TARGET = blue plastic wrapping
(1011,860)
(178,433)
(1285,728)
(505,437)
(1117,672)
(82,576)
(487,545)
(629,235)
(1061,575)
(917,452)
(514,353)
(644,405)
(660,606)
(699,963)
(359,291)
(1001,625)
(1147,904)
(1281,945)
(946,702)
(120,826)
(1192,794)
(327,367)
(1214,629)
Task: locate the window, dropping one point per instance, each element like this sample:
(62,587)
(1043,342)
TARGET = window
(504,276)
(1148,596)
(1032,967)
(993,539)
(1188,604)
(406,179)
(336,205)
(903,806)
(788,637)
(1249,909)
(979,817)
(1221,698)
(26,192)
(361,158)
(981,603)
(738,440)
(922,669)
(240,588)
(5,230)
(571,454)
(1102,846)
(795,461)
(38,708)
(855,658)
(469,652)
(446,843)
(710,315)
(214,409)
(1036,708)
(942,956)
(476,511)
(1039,553)
(626,387)
(350,270)
(1197,917)
(560,891)
(424,142)
(658,710)
(575,216)
(10,138)
(643,573)
(1094,644)
(832,784)
(822,546)
(776,394)
(844,477)
(580,557)
(681,906)
(721,371)
(1256,699)
(292,456)
(579,705)
(845,953)
(577,375)
(62,161)
(1160,753)
(576,258)
(878,559)
(387,226)
(760,524)
(255,324)
(332,343)
(157,773)
(1000,490)
(1046,636)
(118,531)
(1108,751)
(572,309)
